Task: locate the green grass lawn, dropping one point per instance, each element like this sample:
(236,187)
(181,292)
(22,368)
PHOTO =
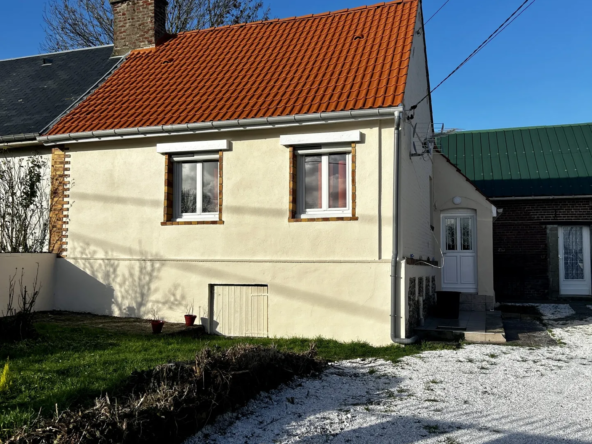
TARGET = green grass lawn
(69,366)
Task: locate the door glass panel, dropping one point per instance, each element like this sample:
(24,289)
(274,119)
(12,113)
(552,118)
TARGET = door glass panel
(210,187)
(573,253)
(450,227)
(188,187)
(337,181)
(466,232)
(313,196)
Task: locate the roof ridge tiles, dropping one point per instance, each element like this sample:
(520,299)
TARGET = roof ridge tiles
(296,18)
(55,53)
(518,128)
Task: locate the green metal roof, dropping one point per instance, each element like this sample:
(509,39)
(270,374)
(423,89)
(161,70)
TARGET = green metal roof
(524,162)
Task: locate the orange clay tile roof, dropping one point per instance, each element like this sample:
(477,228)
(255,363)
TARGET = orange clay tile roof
(346,60)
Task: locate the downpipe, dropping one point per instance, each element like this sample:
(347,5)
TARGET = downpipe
(397,302)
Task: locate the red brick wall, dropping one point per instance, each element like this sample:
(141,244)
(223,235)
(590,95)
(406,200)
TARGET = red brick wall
(137,24)
(521,262)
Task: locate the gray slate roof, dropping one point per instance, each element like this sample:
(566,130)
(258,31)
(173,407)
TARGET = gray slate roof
(32,94)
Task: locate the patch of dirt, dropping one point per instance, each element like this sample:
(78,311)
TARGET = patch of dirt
(527,333)
(134,326)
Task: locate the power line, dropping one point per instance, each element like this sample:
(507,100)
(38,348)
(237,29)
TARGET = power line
(434,14)
(492,36)
(420,30)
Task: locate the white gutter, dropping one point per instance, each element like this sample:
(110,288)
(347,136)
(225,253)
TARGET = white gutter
(223,125)
(583,196)
(8,145)
(397,301)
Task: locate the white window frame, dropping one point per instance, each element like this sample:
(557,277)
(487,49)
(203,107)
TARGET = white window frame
(177,178)
(325,211)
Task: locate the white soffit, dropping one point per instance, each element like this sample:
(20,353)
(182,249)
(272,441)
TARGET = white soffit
(190,147)
(321,138)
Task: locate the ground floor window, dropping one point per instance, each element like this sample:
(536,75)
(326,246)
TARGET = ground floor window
(193,189)
(325,184)
(196,190)
(574,260)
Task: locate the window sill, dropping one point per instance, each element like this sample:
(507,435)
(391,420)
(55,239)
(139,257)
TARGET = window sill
(324,219)
(193,222)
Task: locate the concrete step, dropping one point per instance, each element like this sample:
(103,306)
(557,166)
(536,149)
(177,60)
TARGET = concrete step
(472,326)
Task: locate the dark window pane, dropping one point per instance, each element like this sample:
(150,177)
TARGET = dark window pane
(466,229)
(337,181)
(450,226)
(573,253)
(188,188)
(313,177)
(210,187)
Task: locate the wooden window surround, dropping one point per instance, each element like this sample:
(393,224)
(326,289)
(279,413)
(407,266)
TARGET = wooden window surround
(293,207)
(169,193)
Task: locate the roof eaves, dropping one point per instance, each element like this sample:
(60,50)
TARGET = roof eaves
(18,138)
(224,125)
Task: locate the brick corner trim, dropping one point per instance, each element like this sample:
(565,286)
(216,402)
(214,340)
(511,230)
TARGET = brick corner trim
(168,213)
(294,191)
(59,201)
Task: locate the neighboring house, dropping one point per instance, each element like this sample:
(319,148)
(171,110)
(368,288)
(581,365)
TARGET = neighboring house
(463,222)
(540,178)
(256,171)
(36,91)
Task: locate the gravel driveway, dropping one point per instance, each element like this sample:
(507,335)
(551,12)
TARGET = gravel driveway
(478,394)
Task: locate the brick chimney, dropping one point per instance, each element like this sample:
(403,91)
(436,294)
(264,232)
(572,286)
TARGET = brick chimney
(137,24)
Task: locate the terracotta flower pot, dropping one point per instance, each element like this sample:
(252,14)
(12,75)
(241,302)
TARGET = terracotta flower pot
(157,326)
(190,320)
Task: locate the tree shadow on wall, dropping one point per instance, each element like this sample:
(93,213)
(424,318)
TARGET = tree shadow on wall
(105,284)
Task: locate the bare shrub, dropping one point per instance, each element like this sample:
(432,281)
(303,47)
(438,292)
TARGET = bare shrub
(173,401)
(72,24)
(16,323)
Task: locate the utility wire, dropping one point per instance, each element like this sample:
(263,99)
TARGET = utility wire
(420,30)
(434,14)
(502,30)
(493,35)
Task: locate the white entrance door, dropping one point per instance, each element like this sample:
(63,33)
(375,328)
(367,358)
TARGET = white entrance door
(574,260)
(459,245)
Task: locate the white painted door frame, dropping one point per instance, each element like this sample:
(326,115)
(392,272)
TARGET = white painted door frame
(578,280)
(459,272)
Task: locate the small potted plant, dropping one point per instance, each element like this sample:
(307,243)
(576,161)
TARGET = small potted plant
(156,322)
(189,316)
